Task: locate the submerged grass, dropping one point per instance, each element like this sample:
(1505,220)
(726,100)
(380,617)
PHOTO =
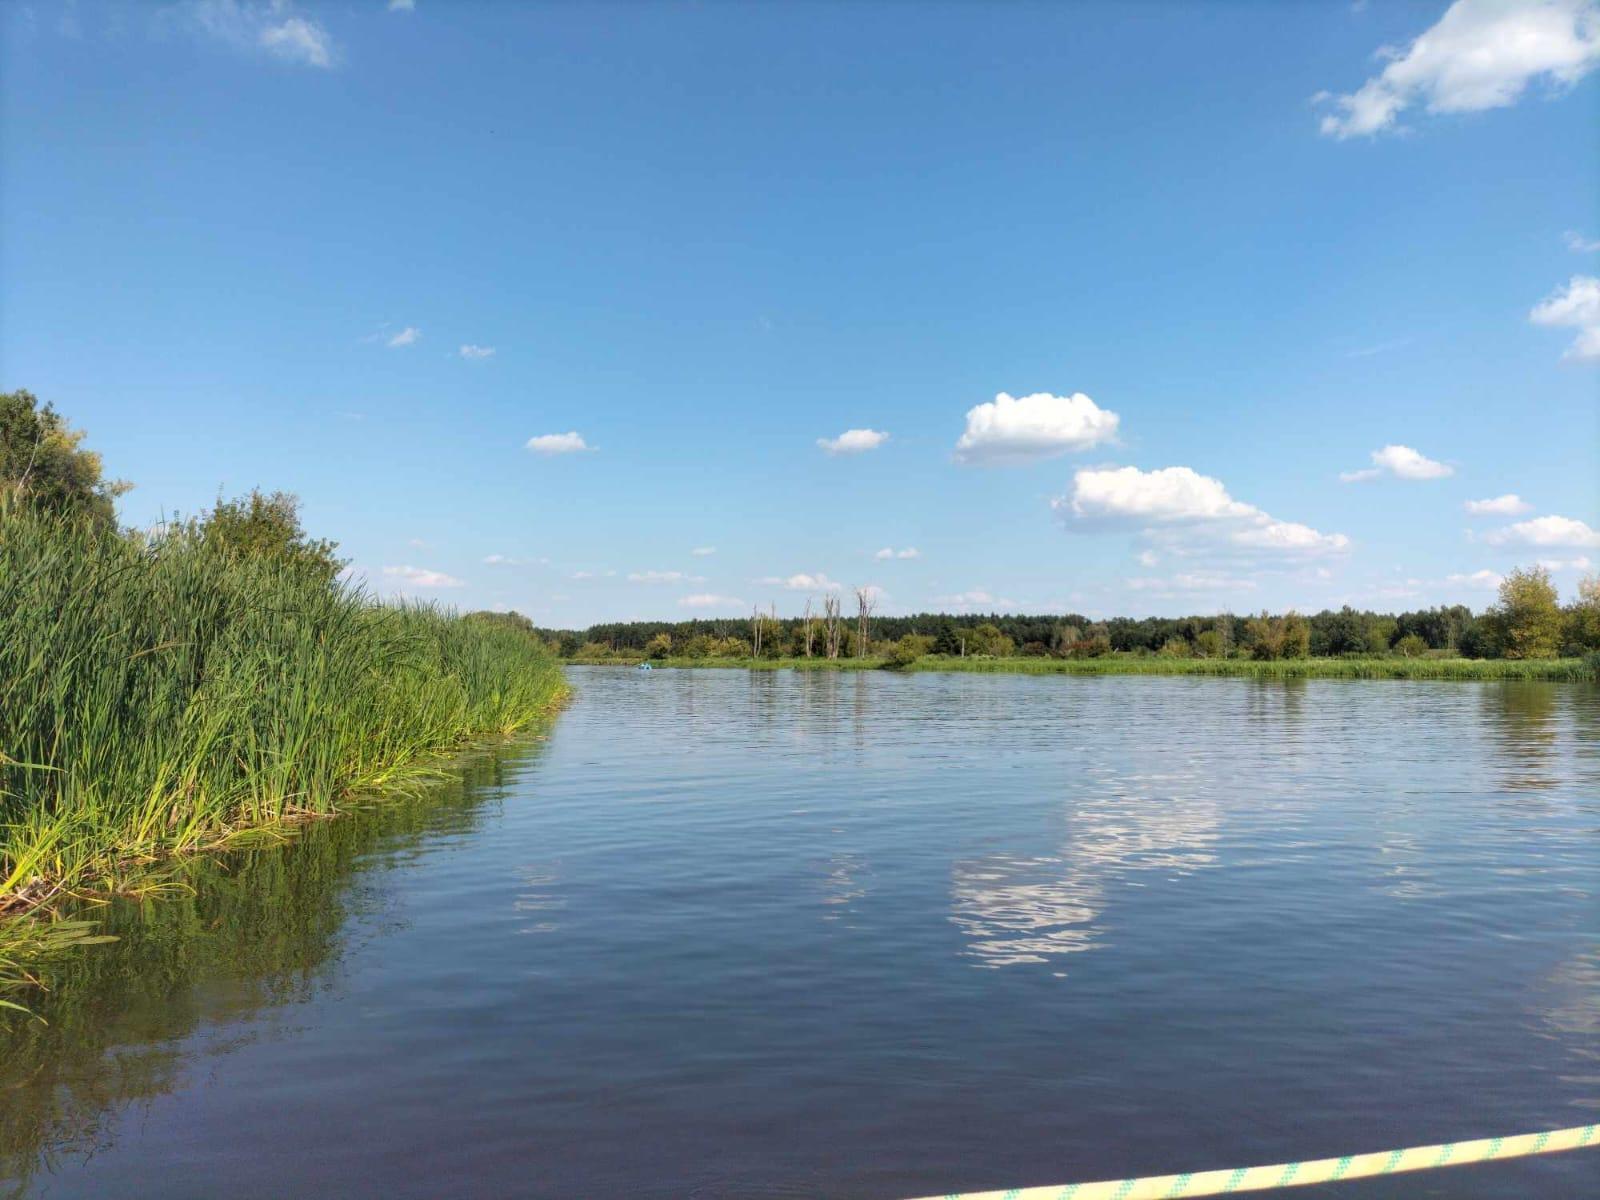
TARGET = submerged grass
(159,697)
(1560,669)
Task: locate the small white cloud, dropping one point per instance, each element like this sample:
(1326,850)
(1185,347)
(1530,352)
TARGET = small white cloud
(1576,307)
(402,5)
(406,337)
(299,40)
(1579,244)
(470,351)
(422,577)
(1509,505)
(558,443)
(889,552)
(801,583)
(1485,579)
(1017,430)
(1148,558)
(418,544)
(1546,531)
(501,560)
(1480,54)
(663,577)
(703,551)
(1581,563)
(854,441)
(710,600)
(1400,461)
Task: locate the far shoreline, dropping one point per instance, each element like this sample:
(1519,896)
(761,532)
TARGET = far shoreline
(1567,670)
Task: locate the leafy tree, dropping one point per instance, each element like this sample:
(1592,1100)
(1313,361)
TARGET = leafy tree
(659,646)
(1174,647)
(1528,615)
(1411,646)
(905,652)
(1380,634)
(1583,617)
(42,461)
(1208,644)
(263,525)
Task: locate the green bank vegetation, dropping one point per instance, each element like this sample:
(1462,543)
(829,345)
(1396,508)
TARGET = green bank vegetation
(173,690)
(1527,634)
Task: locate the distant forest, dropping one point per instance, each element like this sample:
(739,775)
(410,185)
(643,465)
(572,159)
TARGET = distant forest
(1527,622)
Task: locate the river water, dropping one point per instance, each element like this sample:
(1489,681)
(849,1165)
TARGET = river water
(868,936)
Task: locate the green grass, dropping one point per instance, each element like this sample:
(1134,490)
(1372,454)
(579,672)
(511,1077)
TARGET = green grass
(1570,669)
(160,698)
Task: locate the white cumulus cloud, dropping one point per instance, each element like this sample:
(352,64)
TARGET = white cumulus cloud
(558,443)
(1180,497)
(889,552)
(1400,461)
(1509,505)
(1480,54)
(1575,307)
(470,351)
(854,441)
(422,577)
(710,600)
(1010,429)
(1546,531)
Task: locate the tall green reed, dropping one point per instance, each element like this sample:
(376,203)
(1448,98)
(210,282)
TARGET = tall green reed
(159,694)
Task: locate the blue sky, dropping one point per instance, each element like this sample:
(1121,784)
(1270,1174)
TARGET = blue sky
(1221,255)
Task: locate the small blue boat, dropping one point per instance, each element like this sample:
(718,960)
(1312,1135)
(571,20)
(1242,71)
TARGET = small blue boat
(644,667)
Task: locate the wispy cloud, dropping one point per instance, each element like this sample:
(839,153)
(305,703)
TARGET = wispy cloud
(710,600)
(477,352)
(801,582)
(1509,505)
(273,27)
(1402,462)
(406,337)
(1480,54)
(889,552)
(703,551)
(979,598)
(854,441)
(1579,244)
(402,5)
(558,443)
(663,577)
(1575,307)
(423,577)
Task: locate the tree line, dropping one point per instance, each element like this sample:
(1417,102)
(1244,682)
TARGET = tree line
(1528,620)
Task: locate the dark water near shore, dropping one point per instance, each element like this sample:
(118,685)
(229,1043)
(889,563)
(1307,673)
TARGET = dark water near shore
(869,936)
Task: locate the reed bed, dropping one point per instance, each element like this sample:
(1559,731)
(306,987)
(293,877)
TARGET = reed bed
(159,695)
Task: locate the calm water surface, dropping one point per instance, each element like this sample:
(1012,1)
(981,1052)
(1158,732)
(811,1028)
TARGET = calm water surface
(869,936)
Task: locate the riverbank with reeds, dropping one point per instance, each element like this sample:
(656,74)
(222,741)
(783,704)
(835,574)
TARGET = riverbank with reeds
(1557,669)
(165,695)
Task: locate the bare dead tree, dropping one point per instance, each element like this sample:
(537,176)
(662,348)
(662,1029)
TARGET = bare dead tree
(755,631)
(830,610)
(866,601)
(809,630)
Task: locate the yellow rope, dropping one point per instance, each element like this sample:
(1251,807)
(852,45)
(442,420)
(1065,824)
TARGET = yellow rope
(1298,1174)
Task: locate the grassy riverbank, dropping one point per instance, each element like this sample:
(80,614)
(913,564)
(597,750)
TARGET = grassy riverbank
(1568,669)
(161,696)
